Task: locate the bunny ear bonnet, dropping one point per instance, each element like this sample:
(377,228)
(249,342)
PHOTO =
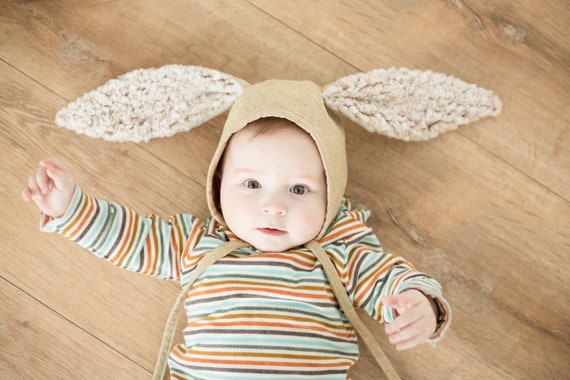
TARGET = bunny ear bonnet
(302,104)
(148,103)
(399,103)
(409,104)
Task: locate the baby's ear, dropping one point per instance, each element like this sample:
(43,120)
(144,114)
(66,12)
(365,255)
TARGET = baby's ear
(409,104)
(148,103)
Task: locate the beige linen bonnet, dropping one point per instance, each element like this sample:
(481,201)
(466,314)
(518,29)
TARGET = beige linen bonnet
(301,103)
(399,103)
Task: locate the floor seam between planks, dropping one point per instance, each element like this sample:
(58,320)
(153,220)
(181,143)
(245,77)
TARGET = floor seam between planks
(512,166)
(476,357)
(303,35)
(73,323)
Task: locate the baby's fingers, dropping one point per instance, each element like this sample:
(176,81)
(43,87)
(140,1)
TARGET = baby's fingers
(410,329)
(407,338)
(32,190)
(52,162)
(27,194)
(43,181)
(61,179)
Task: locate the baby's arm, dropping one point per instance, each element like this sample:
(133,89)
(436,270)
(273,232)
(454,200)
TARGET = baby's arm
(51,188)
(416,318)
(118,234)
(392,291)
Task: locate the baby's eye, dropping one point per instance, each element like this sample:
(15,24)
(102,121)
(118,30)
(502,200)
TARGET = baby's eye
(252,184)
(299,190)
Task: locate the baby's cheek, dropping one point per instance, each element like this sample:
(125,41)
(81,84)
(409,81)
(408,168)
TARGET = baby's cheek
(313,222)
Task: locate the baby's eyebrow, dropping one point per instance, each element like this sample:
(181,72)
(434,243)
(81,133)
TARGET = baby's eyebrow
(305,177)
(245,171)
(301,177)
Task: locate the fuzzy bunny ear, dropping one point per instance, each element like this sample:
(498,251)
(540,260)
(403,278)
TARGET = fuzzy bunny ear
(149,103)
(407,104)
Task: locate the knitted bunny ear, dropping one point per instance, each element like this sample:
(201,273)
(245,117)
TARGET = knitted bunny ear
(409,104)
(149,103)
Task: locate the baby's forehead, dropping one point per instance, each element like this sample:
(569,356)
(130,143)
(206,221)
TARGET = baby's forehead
(276,130)
(247,138)
(290,143)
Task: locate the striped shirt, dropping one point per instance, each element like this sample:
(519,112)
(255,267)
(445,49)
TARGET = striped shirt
(251,315)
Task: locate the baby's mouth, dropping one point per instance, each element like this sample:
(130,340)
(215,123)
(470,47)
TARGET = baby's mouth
(272,231)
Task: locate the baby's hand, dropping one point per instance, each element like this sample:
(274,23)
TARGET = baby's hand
(51,188)
(416,319)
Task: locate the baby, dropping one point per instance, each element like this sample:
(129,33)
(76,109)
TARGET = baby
(276,182)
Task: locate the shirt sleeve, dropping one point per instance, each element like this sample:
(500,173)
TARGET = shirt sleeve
(371,274)
(144,244)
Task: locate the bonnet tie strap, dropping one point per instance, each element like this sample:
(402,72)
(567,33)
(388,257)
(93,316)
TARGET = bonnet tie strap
(168,336)
(346,305)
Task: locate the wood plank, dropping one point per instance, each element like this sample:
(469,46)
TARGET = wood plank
(212,40)
(94,41)
(455,206)
(123,309)
(39,343)
(516,51)
(449,360)
(447,215)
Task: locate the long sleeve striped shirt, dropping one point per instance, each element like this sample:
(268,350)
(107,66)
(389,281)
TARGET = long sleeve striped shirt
(251,315)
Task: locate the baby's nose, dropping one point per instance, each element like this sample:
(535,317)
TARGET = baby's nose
(274,206)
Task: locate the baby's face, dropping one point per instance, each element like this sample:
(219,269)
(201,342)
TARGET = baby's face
(273,189)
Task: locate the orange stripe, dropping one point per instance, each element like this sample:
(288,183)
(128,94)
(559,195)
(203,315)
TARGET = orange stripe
(148,247)
(231,319)
(176,247)
(342,231)
(152,249)
(364,292)
(196,227)
(273,324)
(118,260)
(153,256)
(354,256)
(363,288)
(261,285)
(397,282)
(80,217)
(238,289)
(371,281)
(283,256)
(280,355)
(250,363)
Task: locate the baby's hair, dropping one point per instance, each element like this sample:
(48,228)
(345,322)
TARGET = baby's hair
(270,125)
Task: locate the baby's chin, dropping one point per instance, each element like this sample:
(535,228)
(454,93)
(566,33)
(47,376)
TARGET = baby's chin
(273,248)
(263,241)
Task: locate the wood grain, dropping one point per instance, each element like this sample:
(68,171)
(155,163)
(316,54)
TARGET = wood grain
(495,45)
(39,343)
(485,209)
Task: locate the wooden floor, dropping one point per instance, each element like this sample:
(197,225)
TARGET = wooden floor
(484,209)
